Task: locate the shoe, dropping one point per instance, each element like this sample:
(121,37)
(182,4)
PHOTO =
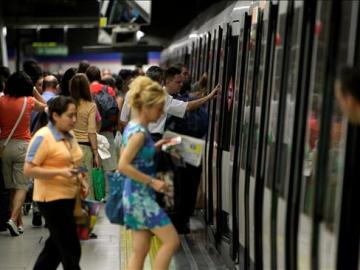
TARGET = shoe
(12,228)
(93,236)
(20,229)
(36,220)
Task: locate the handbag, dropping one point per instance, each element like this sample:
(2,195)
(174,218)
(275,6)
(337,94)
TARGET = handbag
(2,147)
(98,179)
(114,207)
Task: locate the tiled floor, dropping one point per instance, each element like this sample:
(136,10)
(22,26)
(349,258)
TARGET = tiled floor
(109,251)
(20,253)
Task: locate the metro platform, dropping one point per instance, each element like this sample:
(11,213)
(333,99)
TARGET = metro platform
(110,251)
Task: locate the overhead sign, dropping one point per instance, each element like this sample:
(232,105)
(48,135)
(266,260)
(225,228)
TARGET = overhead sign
(49,49)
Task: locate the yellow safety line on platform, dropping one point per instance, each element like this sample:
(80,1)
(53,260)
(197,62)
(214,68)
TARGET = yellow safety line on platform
(126,246)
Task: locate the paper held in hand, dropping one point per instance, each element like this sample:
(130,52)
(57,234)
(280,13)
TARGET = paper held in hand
(189,148)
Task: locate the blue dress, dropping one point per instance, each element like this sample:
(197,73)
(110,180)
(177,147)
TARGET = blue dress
(141,211)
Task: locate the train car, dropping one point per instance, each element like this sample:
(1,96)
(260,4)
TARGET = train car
(278,169)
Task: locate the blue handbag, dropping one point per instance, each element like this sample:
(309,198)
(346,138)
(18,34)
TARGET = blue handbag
(114,208)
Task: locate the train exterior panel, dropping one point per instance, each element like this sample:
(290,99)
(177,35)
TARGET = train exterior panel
(277,149)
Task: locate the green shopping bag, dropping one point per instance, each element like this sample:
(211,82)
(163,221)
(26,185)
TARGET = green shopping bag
(98,180)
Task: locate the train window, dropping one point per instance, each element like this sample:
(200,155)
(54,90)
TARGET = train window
(259,94)
(228,97)
(335,163)
(251,47)
(275,95)
(293,72)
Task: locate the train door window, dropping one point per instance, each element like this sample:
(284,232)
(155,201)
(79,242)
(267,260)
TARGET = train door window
(215,124)
(272,131)
(275,94)
(208,55)
(228,97)
(312,133)
(338,132)
(209,135)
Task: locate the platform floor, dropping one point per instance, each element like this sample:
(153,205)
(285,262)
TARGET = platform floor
(109,251)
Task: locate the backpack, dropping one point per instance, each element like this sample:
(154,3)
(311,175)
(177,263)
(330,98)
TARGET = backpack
(107,107)
(194,123)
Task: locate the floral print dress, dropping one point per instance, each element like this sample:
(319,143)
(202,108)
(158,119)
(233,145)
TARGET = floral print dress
(141,211)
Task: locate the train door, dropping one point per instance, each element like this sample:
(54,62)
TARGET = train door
(247,125)
(271,134)
(268,32)
(329,181)
(295,57)
(217,152)
(211,133)
(207,183)
(226,115)
(241,29)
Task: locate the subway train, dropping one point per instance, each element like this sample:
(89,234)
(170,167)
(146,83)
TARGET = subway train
(279,169)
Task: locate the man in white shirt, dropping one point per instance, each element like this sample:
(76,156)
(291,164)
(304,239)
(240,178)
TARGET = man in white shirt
(173,83)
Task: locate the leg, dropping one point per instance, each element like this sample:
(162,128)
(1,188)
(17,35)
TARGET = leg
(87,162)
(17,202)
(49,258)
(141,246)
(170,243)
(61,223)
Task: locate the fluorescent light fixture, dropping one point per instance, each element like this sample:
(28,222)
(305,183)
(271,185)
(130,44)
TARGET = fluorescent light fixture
(139,34)
(240,8)
(193,35)
(4,31)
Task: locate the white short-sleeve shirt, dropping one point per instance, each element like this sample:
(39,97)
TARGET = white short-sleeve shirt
(172,106)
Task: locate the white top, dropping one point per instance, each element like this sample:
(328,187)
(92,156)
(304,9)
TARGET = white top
(172,106)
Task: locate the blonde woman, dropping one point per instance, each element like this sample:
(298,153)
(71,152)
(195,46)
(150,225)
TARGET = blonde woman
(142,214)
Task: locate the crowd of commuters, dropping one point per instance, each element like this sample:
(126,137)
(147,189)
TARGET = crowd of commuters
(50,131)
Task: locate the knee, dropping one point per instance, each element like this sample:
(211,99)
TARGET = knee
(173,243)
(141,250)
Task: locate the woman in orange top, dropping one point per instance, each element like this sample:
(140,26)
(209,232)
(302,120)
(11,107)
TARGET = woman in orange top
(18,88)
(52,159)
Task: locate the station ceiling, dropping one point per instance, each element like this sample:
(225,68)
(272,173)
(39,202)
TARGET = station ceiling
(167,16)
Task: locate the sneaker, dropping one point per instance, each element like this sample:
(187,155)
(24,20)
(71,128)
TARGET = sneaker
(93,236)
(36,219)
(12,228)
(21,229)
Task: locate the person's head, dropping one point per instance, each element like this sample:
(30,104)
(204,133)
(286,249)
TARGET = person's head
(93,73)
(39,85)
(32,69)
(79,88)
(147,98)
(106,72)
(118,83)
(62,113)
(108,80)
(19,84)
(83,66)
(50,83)
(65,81)
(126,75)
(155,73)
(4,75)
(173,80)
(347,89)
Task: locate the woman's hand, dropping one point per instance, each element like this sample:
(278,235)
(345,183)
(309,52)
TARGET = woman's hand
(159,185)
(67,172)
(85,188)
(159,143)
(96,159)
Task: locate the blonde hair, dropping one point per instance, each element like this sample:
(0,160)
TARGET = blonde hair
(145,92)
